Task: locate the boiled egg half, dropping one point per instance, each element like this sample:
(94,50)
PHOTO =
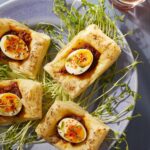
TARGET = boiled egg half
(79,61)
(10,104)
(14,47)
(71,130)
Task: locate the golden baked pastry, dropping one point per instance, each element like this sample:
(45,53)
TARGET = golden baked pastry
(49,127)
(83,70)
(27,56)
(30,94)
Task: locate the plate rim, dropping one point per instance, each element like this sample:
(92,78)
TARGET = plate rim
(8,2)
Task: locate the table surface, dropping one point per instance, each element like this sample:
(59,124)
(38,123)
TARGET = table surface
(138,20)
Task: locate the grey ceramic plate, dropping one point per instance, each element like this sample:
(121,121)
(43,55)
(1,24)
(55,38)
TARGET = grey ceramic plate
(35,11)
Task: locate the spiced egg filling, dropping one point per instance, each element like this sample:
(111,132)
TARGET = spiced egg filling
(71,130)
(10,104)
(79,61)
(14,47)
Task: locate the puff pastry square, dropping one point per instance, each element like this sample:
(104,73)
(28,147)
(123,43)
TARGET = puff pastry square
(93,37)
(47,129)
(38,47)
(31,92)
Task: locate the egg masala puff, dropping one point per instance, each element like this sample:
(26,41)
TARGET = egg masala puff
(22,48)
(83,60)
(68,126)
(20,100)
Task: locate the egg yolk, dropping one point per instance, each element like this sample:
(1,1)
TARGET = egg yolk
(14,47)
(72,130)
(9,103)
(75,133)
(82,58)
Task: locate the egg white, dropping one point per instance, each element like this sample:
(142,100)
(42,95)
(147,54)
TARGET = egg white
(65,123)
(22,54)
(79,70)
(13,112)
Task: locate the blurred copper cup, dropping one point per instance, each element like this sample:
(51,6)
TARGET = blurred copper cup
(126,4)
